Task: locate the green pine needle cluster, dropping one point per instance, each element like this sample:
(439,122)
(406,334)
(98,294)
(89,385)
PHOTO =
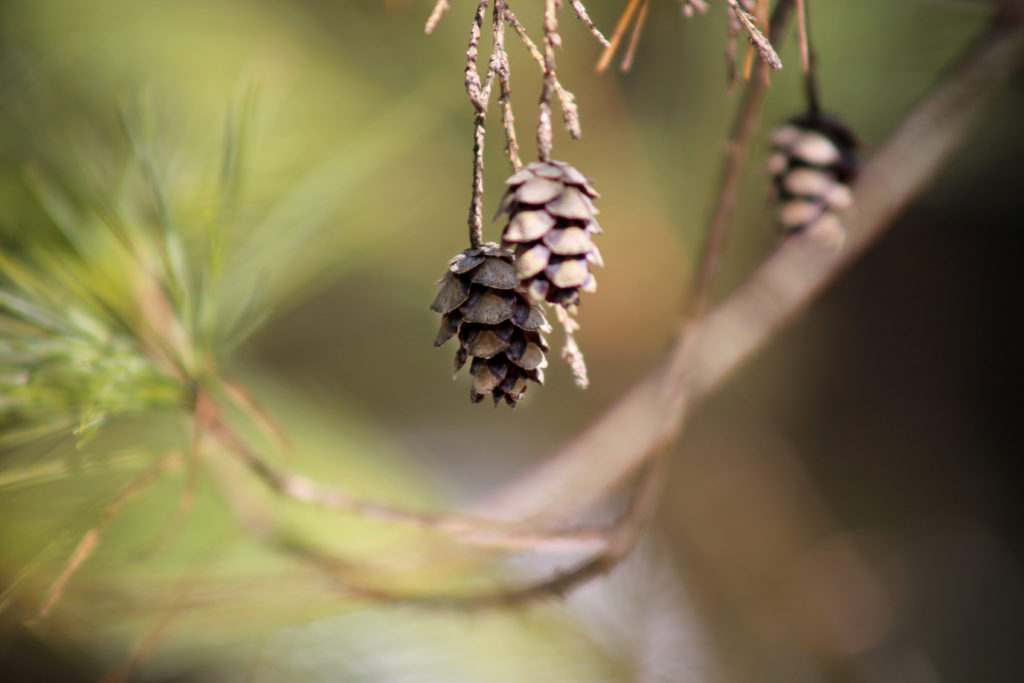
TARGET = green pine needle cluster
(125,311)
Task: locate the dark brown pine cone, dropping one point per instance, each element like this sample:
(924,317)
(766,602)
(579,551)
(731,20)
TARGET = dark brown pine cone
(551,213)
(812,165)
(497,327)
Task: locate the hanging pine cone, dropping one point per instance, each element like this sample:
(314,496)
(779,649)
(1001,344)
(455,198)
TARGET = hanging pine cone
(551,213)
(812,165)
(497,327)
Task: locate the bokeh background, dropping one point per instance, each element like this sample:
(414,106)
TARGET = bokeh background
(844,510)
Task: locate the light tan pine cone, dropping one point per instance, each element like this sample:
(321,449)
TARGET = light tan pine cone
(551,211)
(812,165)
(497,327)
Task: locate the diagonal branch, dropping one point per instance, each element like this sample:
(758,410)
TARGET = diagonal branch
(622,537)
(468,530)
(626,436)
(738,145)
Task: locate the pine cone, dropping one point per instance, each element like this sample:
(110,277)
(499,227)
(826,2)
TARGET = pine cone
(550,222)
(497,327)
(812,164)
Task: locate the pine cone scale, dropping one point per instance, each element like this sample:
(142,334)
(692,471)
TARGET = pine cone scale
(538,191)
(528,226)
(813,164)
(530,262)
(496,274)
(569,273)
(498,329)
(570,241)
(551,222)
(488,307)
(453,294)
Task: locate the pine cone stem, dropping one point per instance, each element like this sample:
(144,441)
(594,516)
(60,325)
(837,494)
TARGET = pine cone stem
(476,216)
(809,58)
(551,39)
(504,72)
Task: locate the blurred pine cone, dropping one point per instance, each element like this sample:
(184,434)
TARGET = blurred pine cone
(551,213)
(812,165)
(496,325)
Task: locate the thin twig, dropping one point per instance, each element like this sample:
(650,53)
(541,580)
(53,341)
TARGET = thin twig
(801,23)
(551,40)
(187,499)
(570,112)
(570,350)
(581,12)
(260,416)
(435,16)
(622,537)
(620,31)
(624,438)
(469,530)
(737,147)
(810,60)
(87,545)
(731,72)
(175,605)
(766,26)
(763,45)
(627,60)
(504,72)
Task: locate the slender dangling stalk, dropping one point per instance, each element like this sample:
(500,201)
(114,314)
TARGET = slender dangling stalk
(551,40)
(504,73)
(479,94)
(808,57)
